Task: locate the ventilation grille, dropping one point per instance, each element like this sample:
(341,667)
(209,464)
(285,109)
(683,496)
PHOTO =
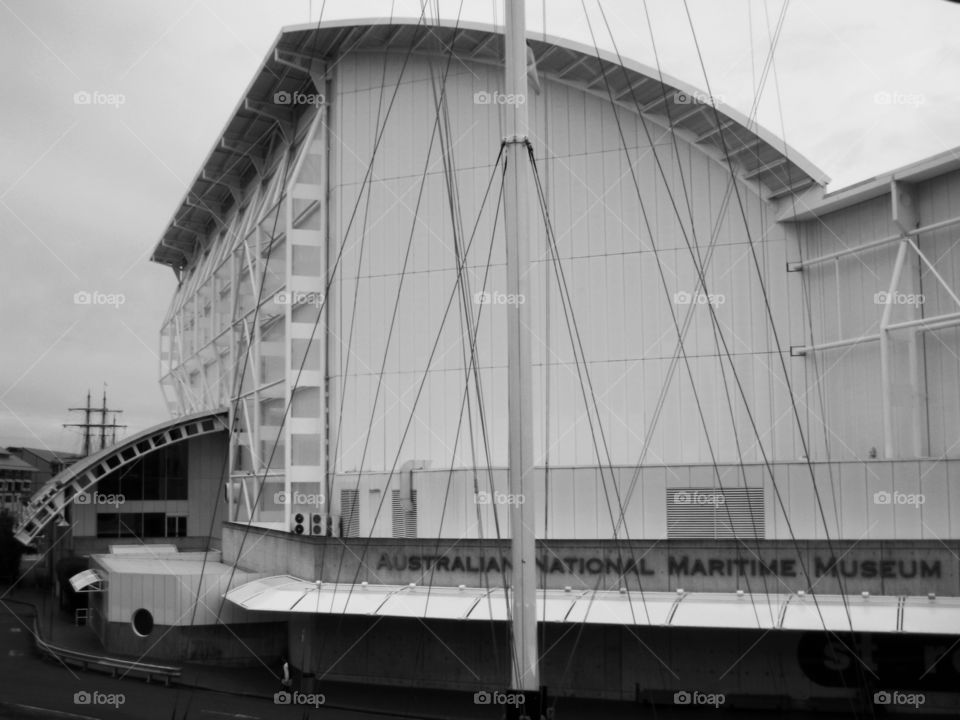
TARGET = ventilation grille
(350,511)
(404,520)
(715,513)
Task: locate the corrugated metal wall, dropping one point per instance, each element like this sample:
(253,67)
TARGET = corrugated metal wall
(850,500)
(940,199)
(845,384)
(621,307)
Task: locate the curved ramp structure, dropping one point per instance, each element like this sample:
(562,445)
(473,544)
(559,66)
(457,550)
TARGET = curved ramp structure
(48,503)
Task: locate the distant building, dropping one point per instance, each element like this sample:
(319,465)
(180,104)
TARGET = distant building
(16,482)
(46,462)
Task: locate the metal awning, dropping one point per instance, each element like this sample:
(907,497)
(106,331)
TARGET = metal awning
(740,610)
(88,581)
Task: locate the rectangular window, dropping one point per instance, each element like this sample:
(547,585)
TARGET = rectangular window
(120,525)
(154,525)
(176,526)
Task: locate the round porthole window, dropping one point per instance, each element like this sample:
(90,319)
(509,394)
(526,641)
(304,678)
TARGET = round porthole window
(142,622)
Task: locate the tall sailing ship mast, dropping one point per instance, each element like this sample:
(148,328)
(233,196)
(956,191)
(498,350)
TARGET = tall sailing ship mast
(525,672)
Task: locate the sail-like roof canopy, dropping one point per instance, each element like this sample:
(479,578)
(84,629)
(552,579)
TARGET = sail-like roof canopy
(857,613)
(758,155)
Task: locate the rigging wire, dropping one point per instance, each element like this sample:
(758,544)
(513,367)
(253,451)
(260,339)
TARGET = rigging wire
(698,263)
(776,338)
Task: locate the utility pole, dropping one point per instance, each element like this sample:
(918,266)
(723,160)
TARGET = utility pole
(89,427)
(524,656)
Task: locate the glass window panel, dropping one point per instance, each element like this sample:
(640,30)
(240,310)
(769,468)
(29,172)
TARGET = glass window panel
(307,260)
(305,449)
(306,403)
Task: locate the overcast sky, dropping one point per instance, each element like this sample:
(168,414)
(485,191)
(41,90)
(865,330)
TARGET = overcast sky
(86,190)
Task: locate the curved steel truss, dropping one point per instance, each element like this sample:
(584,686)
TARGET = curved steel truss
(48,503)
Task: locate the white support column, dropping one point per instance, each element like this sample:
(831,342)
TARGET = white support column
(886,385)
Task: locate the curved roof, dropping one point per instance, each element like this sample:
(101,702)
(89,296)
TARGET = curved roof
(759,155)
(71,484)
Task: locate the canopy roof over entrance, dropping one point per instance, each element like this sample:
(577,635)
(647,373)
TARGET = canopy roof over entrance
(858,613)
(87,581)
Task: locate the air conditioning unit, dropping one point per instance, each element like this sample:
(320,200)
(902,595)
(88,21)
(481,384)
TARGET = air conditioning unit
(309,521)
(300,522)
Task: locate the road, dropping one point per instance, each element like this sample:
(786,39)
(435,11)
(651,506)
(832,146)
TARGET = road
(31,687)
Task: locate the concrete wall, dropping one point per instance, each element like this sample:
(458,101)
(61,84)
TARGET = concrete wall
(778,668)
(881,568)
(239,644)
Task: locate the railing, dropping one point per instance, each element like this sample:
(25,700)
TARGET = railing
(100,663)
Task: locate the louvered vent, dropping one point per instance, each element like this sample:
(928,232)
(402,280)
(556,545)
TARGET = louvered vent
(350,512)
(715,513)
(404,520)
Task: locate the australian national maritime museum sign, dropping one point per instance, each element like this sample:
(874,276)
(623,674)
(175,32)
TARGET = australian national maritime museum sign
(886,567)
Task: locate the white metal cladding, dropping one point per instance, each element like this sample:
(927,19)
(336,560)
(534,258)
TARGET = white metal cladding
(845,296)
(622,311)
(880,614)
(714,512)
(842,500)
(60,490)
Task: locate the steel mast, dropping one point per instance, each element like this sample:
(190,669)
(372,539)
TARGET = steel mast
(524,658)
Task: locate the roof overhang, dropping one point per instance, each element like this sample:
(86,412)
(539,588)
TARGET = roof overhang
(247,137)
(743,611)
(88,581)
(811,208)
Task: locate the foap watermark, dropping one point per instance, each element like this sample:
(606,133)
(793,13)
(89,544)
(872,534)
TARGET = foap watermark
(498,298)
(895,697)
(95,297)
(483,497)
(898,298)
(299,498)
(683,98)
(285,697)
(498,697)
(883,497)
(298,98)
(298,298)
(684,497)
(683,297)
(98,498)
(895,97)
(85,697)
(96,97)
(695,697)
(498,98)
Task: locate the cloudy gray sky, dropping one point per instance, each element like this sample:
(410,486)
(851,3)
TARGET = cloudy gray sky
(85,190)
